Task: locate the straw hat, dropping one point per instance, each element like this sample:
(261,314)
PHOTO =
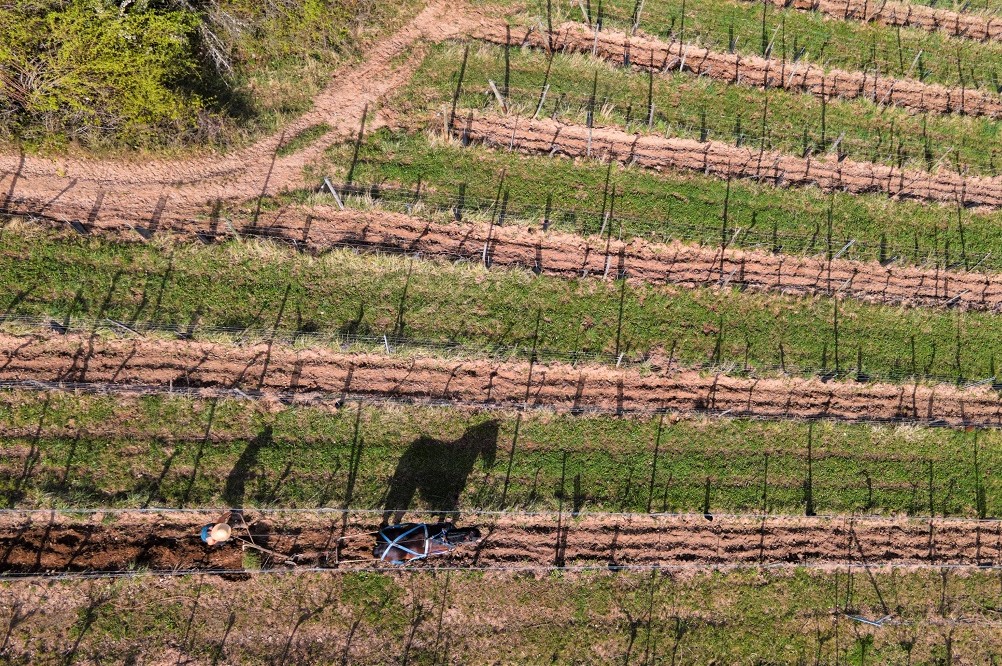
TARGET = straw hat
(219,532)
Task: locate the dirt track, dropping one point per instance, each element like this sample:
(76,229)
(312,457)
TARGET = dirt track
(904,14)
(41,542)
(147,191)
(549,137)
(559,386)
(648,53)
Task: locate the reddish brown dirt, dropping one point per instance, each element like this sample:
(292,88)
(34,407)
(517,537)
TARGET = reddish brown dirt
(44,543)
(646,53)
(569,255)
(655,152)
(904,14)
(146,191)
(559,386)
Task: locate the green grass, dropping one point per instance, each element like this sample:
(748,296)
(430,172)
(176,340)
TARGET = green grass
(699,108)
(848,45)
(737,617)
(302,139)
(303,457)
(672,205)
(243,284)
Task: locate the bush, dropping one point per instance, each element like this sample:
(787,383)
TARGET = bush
(86,71)
(156,73)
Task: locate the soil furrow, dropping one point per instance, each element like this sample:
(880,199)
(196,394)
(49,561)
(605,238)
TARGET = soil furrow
(48,543)
(905,14)
(570,255)
(644,52)
(549,137)
(559,386)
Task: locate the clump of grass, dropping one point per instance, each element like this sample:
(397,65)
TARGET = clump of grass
(303,139)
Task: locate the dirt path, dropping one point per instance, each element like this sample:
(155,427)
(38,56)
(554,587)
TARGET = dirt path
(303,374)
(569,255)
(152,190)
(46,543)
(549,137)
(905,14)
(644,52)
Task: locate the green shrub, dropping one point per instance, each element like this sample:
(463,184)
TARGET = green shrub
(86,70)
(171,73)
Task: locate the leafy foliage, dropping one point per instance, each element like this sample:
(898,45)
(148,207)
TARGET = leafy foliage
(88,69)
(168,73)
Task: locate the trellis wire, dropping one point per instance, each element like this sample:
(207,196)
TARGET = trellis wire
(711,28)
(391,344)
(705,233)
(338,400)
(688,123)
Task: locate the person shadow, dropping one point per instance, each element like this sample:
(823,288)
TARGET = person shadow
(436,471)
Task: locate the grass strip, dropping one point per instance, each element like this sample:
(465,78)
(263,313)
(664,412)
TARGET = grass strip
(727,25)
(302,139)
(703,109)
(245,284)
(666,206)
(180,452)
(604,617)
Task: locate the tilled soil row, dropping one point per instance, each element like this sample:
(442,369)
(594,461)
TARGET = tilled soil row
(904,14)
(549,137)
(312,373)
(644,52)
(48,543)
(568,255)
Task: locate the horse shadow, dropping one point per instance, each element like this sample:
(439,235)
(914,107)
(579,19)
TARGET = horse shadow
(437,471)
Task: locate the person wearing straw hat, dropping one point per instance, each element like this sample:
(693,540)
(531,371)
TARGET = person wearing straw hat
(219,532)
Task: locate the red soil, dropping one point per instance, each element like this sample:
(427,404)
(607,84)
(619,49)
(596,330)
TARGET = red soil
(47,543)
(559,386)
(645,52)
(905,14)
(655,152)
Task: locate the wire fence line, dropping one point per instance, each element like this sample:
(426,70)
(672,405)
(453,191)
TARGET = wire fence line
(427,567)
(687,24)
(451,200)
(528,351)
(516,513)
(756,128)
(339,400)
